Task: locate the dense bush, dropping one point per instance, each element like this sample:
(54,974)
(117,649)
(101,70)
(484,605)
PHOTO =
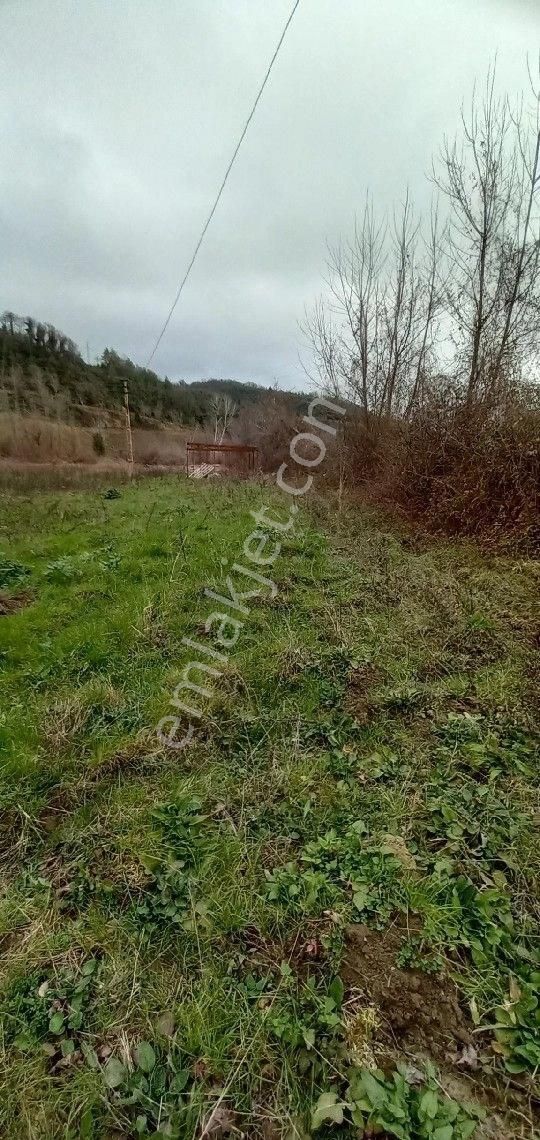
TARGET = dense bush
(475,471)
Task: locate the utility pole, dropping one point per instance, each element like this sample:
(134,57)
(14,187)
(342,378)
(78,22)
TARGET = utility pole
(129,435)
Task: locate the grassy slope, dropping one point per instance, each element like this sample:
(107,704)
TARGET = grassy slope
(185,899)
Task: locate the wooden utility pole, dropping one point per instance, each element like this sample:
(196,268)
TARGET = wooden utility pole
(129,435)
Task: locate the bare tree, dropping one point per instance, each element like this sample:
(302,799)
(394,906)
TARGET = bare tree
(523,258)
(344,330)
(357,287)
(432,285)
(371,339)
(223,409)
(489,179)
(401,310)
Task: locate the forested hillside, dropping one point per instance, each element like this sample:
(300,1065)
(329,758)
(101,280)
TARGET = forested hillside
(42,371)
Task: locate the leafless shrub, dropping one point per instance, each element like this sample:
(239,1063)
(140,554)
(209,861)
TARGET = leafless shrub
(269,425)
(466,471)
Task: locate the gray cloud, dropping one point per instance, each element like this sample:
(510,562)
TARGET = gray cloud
(118,122)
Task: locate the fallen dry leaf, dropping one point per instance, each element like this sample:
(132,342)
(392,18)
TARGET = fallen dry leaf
(165,1024)
(221,1121)
(469,1057)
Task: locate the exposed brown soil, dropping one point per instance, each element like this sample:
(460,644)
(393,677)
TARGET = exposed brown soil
(358,701)
(10,604)
(419,1012)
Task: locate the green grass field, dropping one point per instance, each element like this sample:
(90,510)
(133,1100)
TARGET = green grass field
(319,919)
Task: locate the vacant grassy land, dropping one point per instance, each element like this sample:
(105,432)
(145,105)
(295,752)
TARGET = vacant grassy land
(36,439)
(319,919)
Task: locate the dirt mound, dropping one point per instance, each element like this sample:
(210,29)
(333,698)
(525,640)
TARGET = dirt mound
(418,1011)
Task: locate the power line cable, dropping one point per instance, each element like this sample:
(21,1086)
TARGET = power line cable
(223,184)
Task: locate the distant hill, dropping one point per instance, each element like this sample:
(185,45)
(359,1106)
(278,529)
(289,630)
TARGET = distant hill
(245,392)
(42,371)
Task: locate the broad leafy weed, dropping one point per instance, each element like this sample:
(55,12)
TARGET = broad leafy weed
(154,1089)
(12,573)
(344,871)
(40,1008)
(407,1110)
(171,899)
(517,1029)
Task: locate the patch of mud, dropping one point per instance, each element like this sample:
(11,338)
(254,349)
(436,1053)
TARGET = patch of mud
(11,603)
(419,1012)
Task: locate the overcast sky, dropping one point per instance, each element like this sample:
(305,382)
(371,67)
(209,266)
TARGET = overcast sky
(118,120)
